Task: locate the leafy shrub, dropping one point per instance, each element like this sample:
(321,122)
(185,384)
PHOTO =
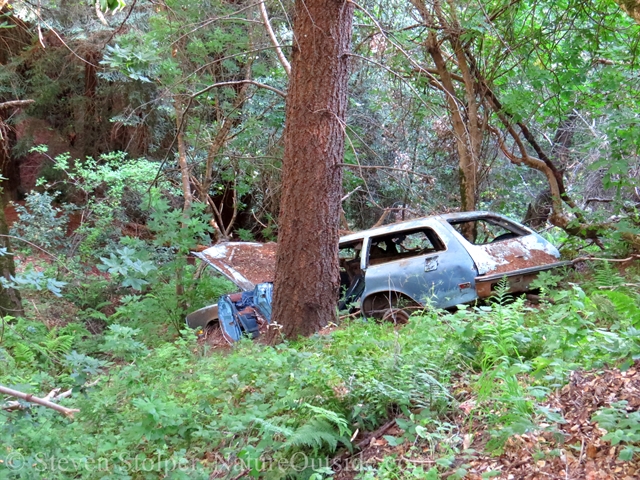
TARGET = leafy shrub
(40,222)
(623,427)
(120,342)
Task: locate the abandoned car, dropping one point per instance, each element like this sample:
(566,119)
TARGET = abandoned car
(439,261)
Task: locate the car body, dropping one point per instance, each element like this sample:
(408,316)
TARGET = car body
(439,261)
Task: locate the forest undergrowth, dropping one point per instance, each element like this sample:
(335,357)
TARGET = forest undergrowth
(441,397)
(131,139)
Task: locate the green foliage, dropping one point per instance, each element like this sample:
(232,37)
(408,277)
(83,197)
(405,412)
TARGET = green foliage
(127,265)
(34,279)
(390,469)
(169,404)
(30,342)
(120,342)
(40,222)
(623,427)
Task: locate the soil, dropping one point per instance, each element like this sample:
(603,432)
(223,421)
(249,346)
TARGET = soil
(213,337)
(573,450)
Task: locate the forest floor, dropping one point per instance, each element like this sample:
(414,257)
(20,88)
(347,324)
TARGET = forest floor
(511,390)
(577,451)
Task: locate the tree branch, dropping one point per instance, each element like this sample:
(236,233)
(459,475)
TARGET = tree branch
(267,25)
(236,82)
(39,401)
(428,178)
(15,103)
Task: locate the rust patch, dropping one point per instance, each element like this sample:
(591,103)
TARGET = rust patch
(520,283)
(255,262)
(513,255)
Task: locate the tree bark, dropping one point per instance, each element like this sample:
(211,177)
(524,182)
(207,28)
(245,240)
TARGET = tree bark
(307,271)
(182,158)
(632,7)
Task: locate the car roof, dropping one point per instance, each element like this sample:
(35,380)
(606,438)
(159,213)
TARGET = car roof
(419,222)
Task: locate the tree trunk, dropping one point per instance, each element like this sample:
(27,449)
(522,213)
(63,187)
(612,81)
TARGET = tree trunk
(10,302)
(464,114)
(464,140)
(182,158)
(632,7)
(307,271)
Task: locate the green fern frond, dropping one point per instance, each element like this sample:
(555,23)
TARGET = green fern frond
(270,427)
(624,305)
(316,433)
(331,416)
(501,292)
(58,345)
(23,354)
(607,276)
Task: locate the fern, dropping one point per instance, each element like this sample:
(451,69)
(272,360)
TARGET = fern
(270,427)
(501,295)
(55,345)
(607,276)
(331,416)
(624,305)
(316,433)
(23,354)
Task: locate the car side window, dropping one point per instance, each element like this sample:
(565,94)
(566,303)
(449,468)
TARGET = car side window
(402,245)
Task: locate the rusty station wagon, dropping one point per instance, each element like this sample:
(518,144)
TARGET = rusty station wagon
(439,261)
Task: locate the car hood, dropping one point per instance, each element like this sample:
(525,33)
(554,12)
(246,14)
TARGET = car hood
(244,263)
(514,254)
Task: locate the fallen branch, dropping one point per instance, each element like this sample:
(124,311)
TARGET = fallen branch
(15,103)
(52,396)
(45,402)
(607,287)
(584,259)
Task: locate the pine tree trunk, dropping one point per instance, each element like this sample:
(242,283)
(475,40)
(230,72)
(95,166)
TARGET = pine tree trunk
(307,271)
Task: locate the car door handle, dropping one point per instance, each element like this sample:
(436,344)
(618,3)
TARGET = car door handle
(431,264)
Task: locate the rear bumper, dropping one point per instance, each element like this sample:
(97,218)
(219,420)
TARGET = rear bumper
(519,280)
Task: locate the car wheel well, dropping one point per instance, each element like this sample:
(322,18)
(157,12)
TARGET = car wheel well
(382,304)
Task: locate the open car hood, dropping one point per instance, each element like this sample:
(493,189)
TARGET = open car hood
(244,263)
